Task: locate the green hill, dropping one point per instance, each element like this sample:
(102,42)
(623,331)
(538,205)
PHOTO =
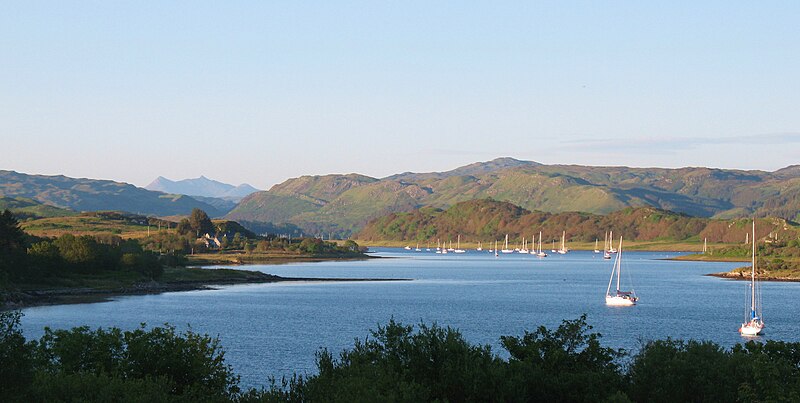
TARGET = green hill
(24,208)
(80,194)
(489,220)
(343,204)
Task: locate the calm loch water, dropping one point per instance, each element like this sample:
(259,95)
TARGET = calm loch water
(275,329)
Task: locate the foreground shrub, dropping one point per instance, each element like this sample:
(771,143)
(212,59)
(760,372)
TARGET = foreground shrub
(396,363)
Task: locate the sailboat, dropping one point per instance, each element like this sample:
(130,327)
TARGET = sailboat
(611,242)
(495,249)
(524,246)
(408,247)
(458,246)
(618,297)
(753,321)
(595,246)
(563,250)
(479,248)
(417,249)
(606,248)
(505,247)
(554,247)
(541,253)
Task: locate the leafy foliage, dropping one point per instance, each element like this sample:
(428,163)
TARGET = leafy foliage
(158,364)
(564,365)
(395,363)
(318,247)
(12,248)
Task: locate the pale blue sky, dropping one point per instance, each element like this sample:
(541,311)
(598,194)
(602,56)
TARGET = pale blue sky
(259,92)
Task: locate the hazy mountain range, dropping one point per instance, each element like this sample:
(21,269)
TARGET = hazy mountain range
(201,186)
(81,194)
(345,203)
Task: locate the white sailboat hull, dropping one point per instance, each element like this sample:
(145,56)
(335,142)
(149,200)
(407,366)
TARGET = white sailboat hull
(749,329)
(620,300)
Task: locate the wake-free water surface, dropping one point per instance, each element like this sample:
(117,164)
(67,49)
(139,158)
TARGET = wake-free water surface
(275,329)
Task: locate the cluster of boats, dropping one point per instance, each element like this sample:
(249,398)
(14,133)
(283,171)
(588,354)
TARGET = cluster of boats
(440,248)
(615,294)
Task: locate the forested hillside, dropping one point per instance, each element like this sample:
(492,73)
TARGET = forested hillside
(343,204)
(486,220)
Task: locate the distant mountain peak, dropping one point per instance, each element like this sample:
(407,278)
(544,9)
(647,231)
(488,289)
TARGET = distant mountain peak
(476,168)
(81,194)
(201,186)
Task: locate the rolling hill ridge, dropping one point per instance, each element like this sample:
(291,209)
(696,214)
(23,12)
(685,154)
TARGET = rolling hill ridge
(80,194)
(488,220)
(343,204)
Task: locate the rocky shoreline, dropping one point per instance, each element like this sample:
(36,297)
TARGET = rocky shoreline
(739,276)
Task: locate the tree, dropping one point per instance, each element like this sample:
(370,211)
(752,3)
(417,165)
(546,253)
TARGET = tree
(249,247)
(16,370)
(674,370)
(399,364)
(311,245)
(200,223)
(12,247)
(184,227)
(183,364)
(351,245)
(567,364)
(44,257)
(237,241)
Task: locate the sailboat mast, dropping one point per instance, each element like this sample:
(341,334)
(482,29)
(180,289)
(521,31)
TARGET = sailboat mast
(753,276)
(540,241)
(619,262)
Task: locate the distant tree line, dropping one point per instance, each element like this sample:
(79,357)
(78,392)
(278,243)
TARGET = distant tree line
(24,258)
(397,363)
